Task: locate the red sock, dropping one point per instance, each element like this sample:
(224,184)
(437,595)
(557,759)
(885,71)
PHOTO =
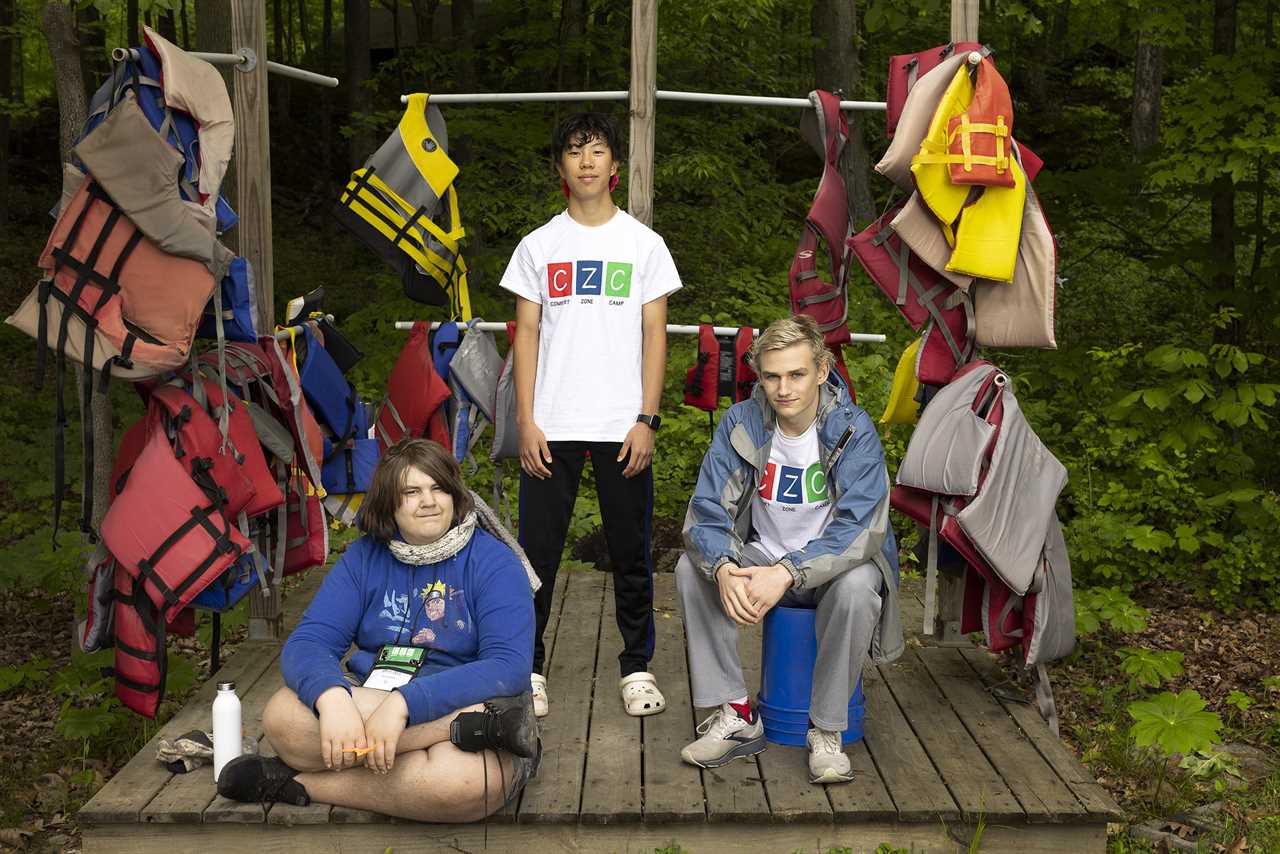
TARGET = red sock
(744,711)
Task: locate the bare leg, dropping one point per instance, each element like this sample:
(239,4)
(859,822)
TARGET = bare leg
(441,783)
(294,730)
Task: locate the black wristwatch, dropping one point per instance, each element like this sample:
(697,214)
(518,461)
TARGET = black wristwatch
(652,420)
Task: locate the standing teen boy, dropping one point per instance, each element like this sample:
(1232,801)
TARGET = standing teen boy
(591,290)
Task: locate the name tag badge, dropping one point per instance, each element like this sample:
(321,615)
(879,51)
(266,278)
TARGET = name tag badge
(394,666)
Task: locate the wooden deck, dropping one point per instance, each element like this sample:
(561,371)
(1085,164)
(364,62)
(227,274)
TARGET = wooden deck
(943,762)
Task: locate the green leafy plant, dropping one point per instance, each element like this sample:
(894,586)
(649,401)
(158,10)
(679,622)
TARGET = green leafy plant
(1149,667)
(1170,724)
(16,675)
(1211,767)
(1240,701)
(1110,605)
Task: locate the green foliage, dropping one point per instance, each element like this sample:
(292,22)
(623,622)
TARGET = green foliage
(1211,767)
(1239,700)
(31,672)
(1110,605)
(1170,724)
(1174,723)
(1148,667)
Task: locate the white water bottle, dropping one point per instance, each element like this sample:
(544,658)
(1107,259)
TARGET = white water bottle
(227,738)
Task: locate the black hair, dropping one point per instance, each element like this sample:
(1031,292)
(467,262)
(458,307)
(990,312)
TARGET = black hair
(579,128)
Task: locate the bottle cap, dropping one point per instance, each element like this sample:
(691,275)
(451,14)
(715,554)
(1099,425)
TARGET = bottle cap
(226,686)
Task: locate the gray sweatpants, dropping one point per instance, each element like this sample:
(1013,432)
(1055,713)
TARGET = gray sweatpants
(848,608)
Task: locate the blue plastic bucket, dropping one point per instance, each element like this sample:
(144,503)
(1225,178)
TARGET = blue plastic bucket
(786,678)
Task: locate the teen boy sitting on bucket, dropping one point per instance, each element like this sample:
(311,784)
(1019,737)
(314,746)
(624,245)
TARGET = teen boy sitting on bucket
(791,508)
(591,290)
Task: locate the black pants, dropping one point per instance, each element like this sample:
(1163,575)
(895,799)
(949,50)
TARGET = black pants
(626,509)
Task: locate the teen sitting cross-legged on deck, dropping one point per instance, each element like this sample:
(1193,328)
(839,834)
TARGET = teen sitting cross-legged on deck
(431,719)
(791,508)
(591,289)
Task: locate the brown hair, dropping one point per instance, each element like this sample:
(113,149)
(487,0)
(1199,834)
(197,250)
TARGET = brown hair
(792,330)
(378,514)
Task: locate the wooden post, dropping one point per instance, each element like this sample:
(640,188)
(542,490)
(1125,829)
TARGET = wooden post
(964,20)
(964,28)
(644,101)
(253,192)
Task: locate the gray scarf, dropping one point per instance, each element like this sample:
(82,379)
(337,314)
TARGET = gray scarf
(447,546)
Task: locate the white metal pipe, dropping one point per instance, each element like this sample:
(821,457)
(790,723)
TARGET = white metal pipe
(283,333)
(614,95)
(672,329)
(121,53)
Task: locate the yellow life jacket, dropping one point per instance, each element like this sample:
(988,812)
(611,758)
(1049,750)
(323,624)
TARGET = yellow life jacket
(903,408)
(403,204)
(985,241)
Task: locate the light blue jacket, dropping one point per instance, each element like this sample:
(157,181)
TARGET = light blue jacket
(718,522)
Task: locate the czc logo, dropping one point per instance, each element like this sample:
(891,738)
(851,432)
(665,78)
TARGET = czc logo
(559,280)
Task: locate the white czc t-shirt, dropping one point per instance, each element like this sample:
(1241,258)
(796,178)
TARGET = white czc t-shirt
(591,282)
(792,505)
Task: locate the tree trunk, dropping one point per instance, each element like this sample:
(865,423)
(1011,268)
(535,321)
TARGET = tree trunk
(186,27)
(278,86)
(302,27)
(91,30)
(573,31)
(131,30)
(167,26)
(6,92)
(359,98)
(213,34)
(73,106)
(461,17)
(838,68)
(1222,205)
(424,21)
(1148,74)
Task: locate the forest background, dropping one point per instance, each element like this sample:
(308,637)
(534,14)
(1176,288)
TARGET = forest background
(1160,130)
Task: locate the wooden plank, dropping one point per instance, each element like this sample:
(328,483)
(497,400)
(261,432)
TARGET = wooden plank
(132,788)
(672,788)
(351,815)
(792,797)
(975,785)
(1040,791)
(222,809)
(611,785)
(409,837)
(1096,800)
(736,792)
(644,81)
(918,792)
(556,793)
(865,797)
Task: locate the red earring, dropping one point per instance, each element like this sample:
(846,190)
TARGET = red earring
(613,183)
(564,187)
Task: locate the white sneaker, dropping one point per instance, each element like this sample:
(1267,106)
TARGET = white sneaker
(725,737)
(827,761)
(640,694)
(538,687)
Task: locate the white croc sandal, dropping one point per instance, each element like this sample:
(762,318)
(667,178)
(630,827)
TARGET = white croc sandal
(538,687)
(640,695)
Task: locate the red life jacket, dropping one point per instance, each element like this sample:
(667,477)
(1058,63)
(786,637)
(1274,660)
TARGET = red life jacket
(196,444)
(980,139)
(243,443)
(921,295)
(721,370)
(905,69)
(825,128)
(164,530)
(306,541)
(414,404)
(140,661)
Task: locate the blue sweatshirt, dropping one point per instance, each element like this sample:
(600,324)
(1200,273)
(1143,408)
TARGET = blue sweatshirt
(473,612)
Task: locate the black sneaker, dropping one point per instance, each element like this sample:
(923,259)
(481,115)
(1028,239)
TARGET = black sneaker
(507,723)
(261,779)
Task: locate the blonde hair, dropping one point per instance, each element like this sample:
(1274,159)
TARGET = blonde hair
(783,333)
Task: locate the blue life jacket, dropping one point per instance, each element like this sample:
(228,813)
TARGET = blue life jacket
(229,588)
(348,467)
(335,403)
(239,306)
